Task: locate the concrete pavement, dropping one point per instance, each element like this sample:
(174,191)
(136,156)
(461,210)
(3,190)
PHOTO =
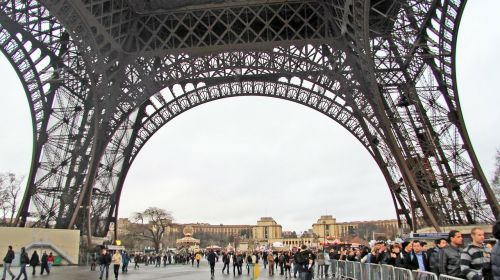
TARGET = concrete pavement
(178,272)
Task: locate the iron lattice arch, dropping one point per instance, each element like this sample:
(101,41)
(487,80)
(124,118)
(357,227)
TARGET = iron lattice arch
(103,76)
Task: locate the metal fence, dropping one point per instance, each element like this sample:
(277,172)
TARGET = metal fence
(423,275)
(402,274)
(447,277)
(388,272)
(367,271)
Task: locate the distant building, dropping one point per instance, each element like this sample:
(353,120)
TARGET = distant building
(267,228)
(268,231)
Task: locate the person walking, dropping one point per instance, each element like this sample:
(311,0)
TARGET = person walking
(24,260)
(235,263)
(270,262)
(248,261)
(125,262)
(50,262)
(104,262)
(93,261)
(281,260)
(264,259)
(475,258)
(117,261)
(326,256)
(321,265)
(305,259)
(295,264)
(44,265)
(34,261)
(211,261)
(288,265)
(226,259)
(7,263)
(449,256)
(239,262)
(137,258)
(198,259)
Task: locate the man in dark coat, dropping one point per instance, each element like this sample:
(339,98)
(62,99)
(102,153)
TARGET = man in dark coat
(495,254)
(433,254)
(34,261)
(211,260)
(104,262)
(25,259)
(226,259)
(417,259)
(45,263)
(305,259)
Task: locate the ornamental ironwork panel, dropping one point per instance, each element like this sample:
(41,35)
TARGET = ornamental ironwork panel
(103,76)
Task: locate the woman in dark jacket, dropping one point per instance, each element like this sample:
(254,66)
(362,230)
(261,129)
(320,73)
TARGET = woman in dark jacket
(495,253)
(34,261)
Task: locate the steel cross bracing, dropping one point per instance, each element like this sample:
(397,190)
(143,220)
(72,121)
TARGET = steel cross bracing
(103,76)
(53,75)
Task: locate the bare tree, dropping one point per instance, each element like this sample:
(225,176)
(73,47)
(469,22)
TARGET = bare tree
(10,187)
(496,176)
(154,221)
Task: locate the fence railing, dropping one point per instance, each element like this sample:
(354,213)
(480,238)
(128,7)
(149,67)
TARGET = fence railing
(447,277)
(367,271)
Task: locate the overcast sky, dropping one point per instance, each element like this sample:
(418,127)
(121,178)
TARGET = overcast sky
(235,160)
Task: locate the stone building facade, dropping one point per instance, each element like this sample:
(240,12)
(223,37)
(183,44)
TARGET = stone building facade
(268,231)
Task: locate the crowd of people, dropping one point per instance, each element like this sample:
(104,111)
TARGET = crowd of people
(45,263)
(448,256)
(479,260)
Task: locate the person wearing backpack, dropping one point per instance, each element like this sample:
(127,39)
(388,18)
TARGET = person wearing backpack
(25,260)
(7,262)
(305,260)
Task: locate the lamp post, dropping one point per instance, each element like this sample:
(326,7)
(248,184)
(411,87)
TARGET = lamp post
(324,235)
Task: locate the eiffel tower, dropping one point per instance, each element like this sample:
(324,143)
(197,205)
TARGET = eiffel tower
(103,76)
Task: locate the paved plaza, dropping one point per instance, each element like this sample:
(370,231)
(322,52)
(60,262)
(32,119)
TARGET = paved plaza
(178,272)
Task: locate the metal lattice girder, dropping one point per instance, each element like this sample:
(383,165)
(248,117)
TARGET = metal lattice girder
(383,69)
(52,73)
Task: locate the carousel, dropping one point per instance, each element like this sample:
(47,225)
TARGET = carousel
(188,241)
